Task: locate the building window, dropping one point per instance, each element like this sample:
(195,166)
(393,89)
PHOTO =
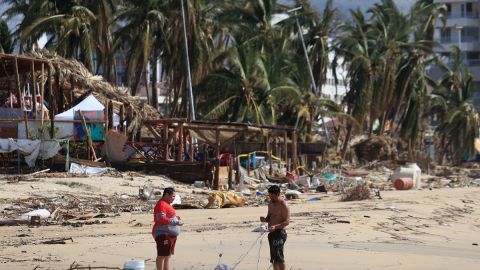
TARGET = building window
(446,35)
(469,34)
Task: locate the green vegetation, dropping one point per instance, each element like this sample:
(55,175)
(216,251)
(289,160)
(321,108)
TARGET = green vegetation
(249,67)
(5,38)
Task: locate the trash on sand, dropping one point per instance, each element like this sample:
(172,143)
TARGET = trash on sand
(329,176)
(222,267)
(292,194)
(177,200)
(220,199)
(134,264)
(90,171)
(314,199)
(261,228)
(42,213)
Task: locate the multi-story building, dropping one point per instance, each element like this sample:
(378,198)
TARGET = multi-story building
(462,29)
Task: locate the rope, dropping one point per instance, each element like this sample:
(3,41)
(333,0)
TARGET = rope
(248,251)
(259,250)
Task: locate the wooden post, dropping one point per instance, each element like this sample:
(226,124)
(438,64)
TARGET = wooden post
(20,98)
(217,160)
(181,142)
(59,94)
(87,134)
(110,115)
(129,121)
(122,126)
(105,115)
(34,89)
(42,92)
(285,146)
(165,140)
(294,150)
(51,102)
(269,151)
(191,149)
(230,173)
(237,162)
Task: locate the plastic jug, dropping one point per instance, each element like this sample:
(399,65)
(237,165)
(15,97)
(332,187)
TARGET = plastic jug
(417,174)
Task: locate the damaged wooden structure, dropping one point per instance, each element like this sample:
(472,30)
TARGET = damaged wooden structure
(180,148)
(34,88)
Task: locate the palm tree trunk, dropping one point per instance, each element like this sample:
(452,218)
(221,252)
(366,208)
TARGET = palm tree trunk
(347,140)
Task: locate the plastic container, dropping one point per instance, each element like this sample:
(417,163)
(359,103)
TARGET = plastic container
(403,183)
(410,170)
(134,265)
(417,177)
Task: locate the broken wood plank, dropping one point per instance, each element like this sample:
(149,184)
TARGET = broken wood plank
(60,241)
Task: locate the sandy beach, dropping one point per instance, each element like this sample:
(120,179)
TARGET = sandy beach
(415,229)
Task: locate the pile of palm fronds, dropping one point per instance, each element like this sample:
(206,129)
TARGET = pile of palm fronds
(75,77)
(357,193)
(379,148)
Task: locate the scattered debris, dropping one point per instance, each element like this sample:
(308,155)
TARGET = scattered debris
(358,193)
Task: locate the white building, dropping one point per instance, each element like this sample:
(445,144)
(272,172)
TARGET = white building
(462,29)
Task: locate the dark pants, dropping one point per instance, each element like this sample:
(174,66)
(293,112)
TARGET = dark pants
(276,240)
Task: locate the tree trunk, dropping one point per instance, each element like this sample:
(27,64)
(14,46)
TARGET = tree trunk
(347,140)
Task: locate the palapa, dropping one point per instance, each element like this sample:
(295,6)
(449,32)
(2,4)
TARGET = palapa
(78,79)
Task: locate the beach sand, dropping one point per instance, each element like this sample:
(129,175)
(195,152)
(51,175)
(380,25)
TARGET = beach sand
(414,229)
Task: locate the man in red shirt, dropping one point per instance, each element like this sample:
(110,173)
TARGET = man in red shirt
(166,228)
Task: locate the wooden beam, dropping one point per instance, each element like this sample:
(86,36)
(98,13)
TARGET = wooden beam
(154,132)
(57,121)
(51,102)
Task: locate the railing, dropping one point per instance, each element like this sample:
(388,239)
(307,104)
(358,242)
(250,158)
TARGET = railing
(456,15)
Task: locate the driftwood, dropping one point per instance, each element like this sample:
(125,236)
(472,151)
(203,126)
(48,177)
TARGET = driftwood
(75,265)
(58,241)
(61,159)
(13,222)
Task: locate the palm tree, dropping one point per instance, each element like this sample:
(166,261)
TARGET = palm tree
(356,46)
(5,37)
(452,102)
(143,24)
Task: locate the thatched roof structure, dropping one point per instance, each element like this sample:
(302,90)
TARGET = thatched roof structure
(76,78)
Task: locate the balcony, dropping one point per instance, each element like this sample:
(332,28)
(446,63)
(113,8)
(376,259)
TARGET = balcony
(457,15)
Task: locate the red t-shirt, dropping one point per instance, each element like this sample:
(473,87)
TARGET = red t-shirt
(163,215)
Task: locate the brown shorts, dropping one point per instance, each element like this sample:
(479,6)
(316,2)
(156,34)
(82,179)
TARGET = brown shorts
(165,245)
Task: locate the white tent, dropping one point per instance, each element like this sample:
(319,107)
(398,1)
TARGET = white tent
(90,103)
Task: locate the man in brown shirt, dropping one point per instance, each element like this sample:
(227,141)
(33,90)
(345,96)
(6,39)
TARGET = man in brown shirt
(278,217)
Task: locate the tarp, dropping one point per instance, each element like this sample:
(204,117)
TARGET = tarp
(31,149)
(89,104)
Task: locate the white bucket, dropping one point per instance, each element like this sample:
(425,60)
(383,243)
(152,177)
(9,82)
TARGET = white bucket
(134,265)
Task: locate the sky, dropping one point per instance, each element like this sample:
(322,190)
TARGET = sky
(342,5)
(345,5)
